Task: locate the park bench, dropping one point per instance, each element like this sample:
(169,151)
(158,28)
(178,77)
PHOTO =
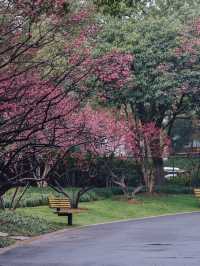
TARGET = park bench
(197,192)
(62,206)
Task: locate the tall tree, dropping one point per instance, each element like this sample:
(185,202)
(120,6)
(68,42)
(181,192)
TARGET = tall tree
(32,90)
(46,61)
(139,9)
(165,70)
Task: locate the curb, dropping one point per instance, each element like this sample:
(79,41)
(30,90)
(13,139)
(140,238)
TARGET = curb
(56,233)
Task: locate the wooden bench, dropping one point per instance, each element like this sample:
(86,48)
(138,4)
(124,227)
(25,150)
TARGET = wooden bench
(62,206)
(197,192)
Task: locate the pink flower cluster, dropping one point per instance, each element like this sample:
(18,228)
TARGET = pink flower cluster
(114,68)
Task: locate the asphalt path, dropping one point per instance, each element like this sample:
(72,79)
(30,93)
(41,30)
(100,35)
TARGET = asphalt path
(170,240)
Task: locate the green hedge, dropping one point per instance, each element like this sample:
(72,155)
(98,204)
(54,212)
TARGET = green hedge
(174,189)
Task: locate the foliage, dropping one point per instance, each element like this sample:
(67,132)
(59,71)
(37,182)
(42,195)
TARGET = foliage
(118,8)
(53,57)
(5,242)
(30,98)
(165,70)
(16,224)
(157,68)
(140,9)
(46,63)
(41,122)
(181,134)
(191,165)
(174,188)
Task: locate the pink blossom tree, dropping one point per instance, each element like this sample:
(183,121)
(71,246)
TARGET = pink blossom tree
(46,62)
(34,94)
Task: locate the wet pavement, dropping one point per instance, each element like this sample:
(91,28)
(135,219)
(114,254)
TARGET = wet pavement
(171,240)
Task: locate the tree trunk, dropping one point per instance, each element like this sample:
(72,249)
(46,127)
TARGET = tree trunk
(39,174)
(2,203)
(76,201)
(148,179)
(42,184)
(158,171)
(20,197)
(4,189)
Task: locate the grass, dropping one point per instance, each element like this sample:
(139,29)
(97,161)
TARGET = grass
(38,220)
(110,209)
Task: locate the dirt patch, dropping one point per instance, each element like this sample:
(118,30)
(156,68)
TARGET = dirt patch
(121,198)
(129,201)
(134,201)
(154,194)
(79,210)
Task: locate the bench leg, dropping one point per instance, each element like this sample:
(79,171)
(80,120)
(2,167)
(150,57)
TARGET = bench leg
(70,219)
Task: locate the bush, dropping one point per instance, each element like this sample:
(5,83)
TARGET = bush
(108,192)
(5,242)
(192,168)
(174,189)
(32,198)
(16,224)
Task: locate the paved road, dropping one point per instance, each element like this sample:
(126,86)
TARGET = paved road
(172,240)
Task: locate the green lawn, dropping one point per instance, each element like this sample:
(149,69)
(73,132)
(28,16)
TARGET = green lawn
(111,210)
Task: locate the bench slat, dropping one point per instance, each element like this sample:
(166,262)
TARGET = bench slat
(197,192)
(62,201)
(58,199)
(59,203)
(63,206)
(60,206)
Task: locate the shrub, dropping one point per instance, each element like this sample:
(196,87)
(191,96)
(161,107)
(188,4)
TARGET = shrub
(5,242)
(15,224)
(174,189)
(192,167)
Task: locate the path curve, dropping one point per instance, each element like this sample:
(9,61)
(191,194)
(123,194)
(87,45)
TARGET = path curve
(170,240)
